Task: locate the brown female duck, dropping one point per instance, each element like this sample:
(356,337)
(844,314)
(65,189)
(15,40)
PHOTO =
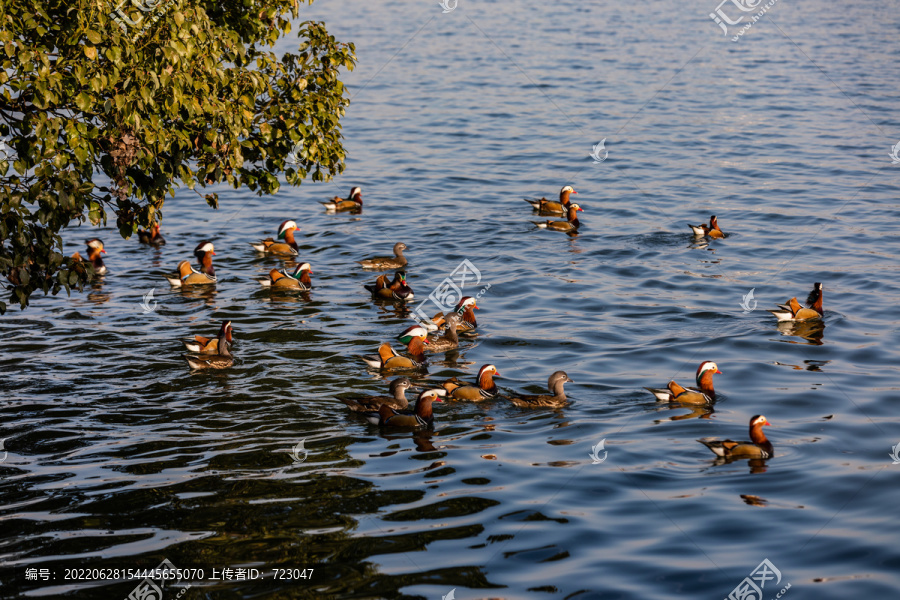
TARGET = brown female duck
(189,276)
(288,247)
(397,400)
(449,341)
(757,447)
(552,207)
(555,385)
(383,263)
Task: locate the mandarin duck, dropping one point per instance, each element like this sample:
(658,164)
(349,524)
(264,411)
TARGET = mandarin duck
(793,311)
(704,393)
(205,345)
(571,225)
(554,384)
(298,279)
(287,247)
(422,415)
(415,338)
(383,263)
(449,341)
(552,207)
(222,360)
(465,309)
(397,400)
(187,275)
(757,447)
(94,250)
(485,389)
(397,289)
(712,230)
(151,236)
(352,203)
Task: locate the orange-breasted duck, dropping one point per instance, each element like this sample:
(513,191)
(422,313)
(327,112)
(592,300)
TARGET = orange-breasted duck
(288,247)
(422,415)
(222,360)
(151,236)
(555,384)
(485,389)
(757,447)
(205,345)
(448,341)
(383,263)
(465,309)
(397,400)
(704,393)
(398,289)
(552,207)
(187,275)
(415,338)
(298,279)
(571,225)
(352,203)
(793,311)
(711,231)
(94,250)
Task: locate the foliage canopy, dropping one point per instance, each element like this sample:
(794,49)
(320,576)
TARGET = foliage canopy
(145,96)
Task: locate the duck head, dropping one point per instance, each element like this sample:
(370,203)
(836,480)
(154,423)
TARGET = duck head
(286,227)
(95,246)
(705,375)
(412,333)
(486,375)
(355,195)
(564,193)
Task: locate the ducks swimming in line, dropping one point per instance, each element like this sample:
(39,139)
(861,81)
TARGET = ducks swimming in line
(384,263)
(555,384)
(288,247)
(711,231)
(222,360)
(94,250)
(551,207)
(298,279)
(570,226)
(151,236)
(757,447)
(187,275)
(704,393)
(352,203)
(793,311)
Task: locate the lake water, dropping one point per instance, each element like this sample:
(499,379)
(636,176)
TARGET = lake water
(119,457)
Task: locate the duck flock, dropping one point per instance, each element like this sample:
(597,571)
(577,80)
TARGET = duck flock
(392,409)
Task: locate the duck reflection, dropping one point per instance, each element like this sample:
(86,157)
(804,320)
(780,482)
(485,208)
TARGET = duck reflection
(695,412)
(811,331)
(757,465)
(754,500)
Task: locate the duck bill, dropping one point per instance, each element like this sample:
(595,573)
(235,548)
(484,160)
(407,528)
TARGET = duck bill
(718,371)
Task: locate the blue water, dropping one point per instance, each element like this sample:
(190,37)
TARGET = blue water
(119,456)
